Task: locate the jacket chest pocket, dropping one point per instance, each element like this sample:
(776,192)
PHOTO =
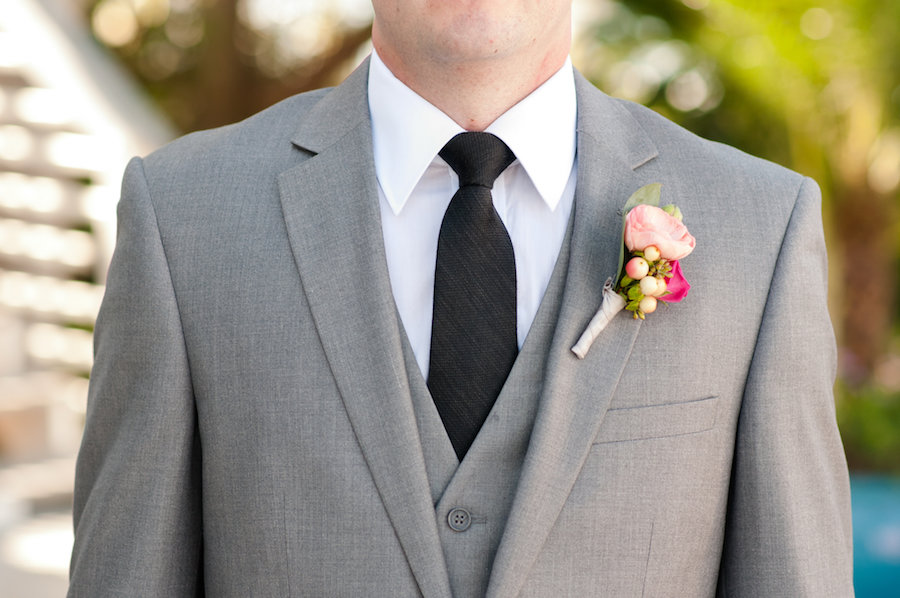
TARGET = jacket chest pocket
(658,421)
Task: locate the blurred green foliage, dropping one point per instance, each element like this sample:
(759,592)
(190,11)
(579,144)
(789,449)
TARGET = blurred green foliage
(869,419)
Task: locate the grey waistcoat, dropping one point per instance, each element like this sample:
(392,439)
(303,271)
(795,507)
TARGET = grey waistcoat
(473,499)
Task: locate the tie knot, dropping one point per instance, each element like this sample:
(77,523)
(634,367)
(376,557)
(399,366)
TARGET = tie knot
(477,158)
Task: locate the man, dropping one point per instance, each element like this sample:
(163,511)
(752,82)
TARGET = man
(261,419)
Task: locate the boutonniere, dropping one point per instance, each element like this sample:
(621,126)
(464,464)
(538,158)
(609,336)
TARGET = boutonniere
(655,240)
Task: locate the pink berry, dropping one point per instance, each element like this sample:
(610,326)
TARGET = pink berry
(637,268)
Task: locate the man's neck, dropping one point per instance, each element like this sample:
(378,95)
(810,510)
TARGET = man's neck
(475,93)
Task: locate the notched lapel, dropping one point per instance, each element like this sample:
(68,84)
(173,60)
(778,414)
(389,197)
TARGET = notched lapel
(611,149)
(330,206)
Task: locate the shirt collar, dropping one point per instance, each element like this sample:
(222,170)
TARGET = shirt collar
(408,132)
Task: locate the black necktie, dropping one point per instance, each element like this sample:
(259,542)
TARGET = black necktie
(473,335)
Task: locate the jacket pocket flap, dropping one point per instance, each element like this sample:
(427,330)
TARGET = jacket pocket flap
(658,421)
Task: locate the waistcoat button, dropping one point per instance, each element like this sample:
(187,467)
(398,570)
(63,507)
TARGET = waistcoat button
(459,520)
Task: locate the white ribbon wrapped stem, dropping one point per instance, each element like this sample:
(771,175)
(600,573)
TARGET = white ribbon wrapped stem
(611,304)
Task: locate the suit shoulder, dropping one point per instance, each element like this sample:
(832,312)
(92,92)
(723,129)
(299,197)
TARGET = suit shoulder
(719,185)
(708,160)
(228,167)
(261,133)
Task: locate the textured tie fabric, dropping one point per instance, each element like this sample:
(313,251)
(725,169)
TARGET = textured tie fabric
(473,335)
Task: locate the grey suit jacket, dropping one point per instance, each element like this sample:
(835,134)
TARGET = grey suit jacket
(250,429)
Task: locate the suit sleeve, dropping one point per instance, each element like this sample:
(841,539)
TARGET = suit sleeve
(137,501)
(788,527)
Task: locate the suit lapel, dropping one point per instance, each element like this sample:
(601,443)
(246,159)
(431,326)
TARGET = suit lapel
(576,393)
(330,206)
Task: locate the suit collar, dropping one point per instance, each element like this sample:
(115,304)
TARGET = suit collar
(330,206)
(612,147)
(343,109)
(605,123)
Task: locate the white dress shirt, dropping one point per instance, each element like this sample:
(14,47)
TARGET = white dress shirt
(533,196)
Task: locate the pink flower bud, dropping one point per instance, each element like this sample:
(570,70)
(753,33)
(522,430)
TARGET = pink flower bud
(648,305)
(637,268)
(677,286)
(651,253)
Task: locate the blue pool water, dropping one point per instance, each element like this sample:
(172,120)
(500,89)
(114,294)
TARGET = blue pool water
(876,536)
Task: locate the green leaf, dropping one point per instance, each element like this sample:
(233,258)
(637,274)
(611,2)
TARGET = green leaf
(648,194)
(621,252)
(673,211)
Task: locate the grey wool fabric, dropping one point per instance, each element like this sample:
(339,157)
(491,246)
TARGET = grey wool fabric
(257,425)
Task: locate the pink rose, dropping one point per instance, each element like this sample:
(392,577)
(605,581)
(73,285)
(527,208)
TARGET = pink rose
(648,225)
(677,286)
